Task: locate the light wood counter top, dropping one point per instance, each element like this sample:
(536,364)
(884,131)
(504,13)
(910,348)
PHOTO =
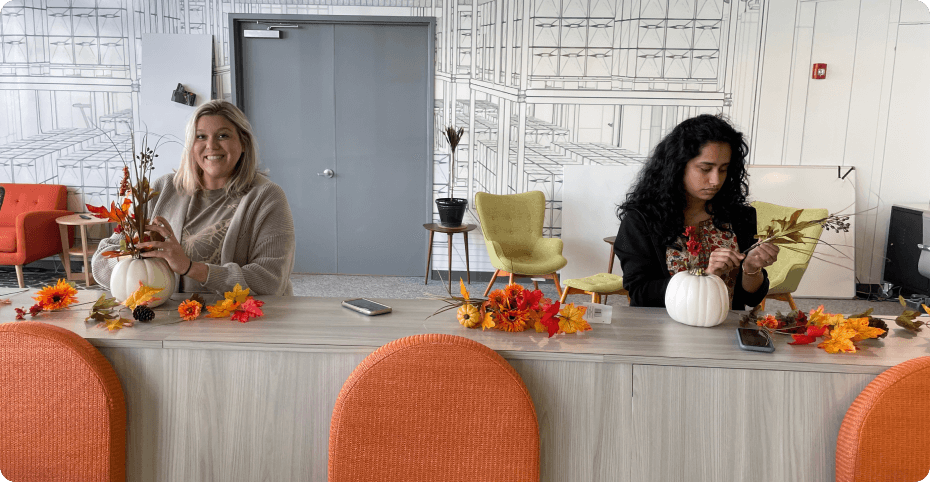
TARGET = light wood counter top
(636,335)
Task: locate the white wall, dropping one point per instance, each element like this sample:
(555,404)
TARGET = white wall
(870,112)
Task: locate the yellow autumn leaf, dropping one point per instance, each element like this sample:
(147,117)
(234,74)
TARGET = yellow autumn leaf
(863,330)
(238,294)
(223,308)
(487,321)
(925,307)
(539,327)
(118,323)
(571,319)
(462,289)
(141,296)
(839,339)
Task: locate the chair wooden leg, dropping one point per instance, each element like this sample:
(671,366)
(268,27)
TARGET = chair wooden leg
(19,276)
(535,285)
(595,298)
(555,278)
(565,294)
(510,281)
(491,283)
(790,301)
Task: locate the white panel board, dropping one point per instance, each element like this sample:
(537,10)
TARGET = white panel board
(170,59)
(591,195)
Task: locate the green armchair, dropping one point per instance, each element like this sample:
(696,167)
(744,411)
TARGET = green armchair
(785,274)
(512,228)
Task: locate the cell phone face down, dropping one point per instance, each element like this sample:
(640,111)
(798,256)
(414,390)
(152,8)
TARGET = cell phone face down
(366,307)
(754,340)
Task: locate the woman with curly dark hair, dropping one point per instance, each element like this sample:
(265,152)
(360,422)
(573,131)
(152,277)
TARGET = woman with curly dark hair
(697,177)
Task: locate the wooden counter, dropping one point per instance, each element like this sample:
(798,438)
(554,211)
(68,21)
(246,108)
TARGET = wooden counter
(643,398)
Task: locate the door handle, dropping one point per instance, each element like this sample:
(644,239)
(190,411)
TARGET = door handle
(326,173)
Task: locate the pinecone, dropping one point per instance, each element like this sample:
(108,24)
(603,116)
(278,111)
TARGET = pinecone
(879,323)
(143,313)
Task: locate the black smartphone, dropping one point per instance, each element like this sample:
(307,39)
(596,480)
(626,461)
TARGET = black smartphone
(366,307)
(84,216)
(754,340)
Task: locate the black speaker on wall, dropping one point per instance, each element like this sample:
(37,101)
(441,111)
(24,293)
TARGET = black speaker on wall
(905,232)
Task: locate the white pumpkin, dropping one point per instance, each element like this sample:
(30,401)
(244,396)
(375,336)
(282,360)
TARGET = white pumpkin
(697,299)
(154,272)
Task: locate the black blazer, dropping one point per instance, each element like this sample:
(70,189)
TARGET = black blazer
(645,271)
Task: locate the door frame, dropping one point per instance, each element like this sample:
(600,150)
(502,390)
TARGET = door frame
(235,53)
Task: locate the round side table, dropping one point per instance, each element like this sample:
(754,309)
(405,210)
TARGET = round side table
(84,250)
(434,228)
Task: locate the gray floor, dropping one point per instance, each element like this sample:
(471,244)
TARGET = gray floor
(349,286)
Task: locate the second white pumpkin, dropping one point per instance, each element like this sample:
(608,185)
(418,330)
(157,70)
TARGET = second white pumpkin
(697,300)
(154,272)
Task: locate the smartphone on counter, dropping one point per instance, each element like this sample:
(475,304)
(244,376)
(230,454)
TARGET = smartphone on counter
(366,307)
(754,340)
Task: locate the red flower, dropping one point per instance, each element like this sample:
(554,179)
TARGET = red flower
(35,310)
(118,229)
(20,313)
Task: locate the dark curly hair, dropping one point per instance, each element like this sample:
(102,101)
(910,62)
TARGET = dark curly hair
(659,191)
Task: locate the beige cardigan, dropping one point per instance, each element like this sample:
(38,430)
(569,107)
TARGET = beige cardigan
(257,253)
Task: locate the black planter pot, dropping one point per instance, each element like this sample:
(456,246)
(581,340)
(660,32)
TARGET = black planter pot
(451,211)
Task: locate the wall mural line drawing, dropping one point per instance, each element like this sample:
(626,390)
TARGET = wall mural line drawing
(537,84)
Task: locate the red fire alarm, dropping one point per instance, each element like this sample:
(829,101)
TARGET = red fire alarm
(820,71)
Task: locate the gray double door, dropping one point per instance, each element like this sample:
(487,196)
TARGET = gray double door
(342,111)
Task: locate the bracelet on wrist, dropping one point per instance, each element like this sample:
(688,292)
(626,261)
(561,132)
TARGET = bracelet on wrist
(188,270)
(752,272)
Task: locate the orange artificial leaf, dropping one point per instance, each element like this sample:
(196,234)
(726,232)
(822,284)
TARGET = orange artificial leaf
(572,319)
(238,294)
(863,330)
(839,339)
(487,321)
(116,324)
(463,290)
(222,308)
(144,294)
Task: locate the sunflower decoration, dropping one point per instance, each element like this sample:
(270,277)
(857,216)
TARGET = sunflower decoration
(515,309)
(57,296)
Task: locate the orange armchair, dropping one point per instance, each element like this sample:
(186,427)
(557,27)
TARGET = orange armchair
(887,428)
(411,411)
(64,415)
(28,231)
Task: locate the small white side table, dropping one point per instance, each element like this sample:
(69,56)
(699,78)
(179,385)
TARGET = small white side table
(84,250)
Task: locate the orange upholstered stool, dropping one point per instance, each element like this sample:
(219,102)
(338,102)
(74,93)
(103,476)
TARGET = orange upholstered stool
(434,408)
(887,428)
(63,415)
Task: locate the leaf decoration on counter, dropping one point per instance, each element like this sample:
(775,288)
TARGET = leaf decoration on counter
(906,320)
(143,295)
(102,310)
(117,323)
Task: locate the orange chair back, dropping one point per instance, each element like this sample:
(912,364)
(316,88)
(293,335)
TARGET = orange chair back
(24,198)
(63,415)
(430,408)
(886,431)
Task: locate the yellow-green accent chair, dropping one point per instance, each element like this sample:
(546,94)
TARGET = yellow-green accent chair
(785,274)
(512,227)
(601,284)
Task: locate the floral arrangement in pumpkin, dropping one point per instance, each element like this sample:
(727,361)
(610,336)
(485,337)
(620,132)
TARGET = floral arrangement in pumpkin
(50,298)
(515,308)
(132,214)
(693,245)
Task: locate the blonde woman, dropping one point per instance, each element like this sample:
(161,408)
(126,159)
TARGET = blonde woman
(222,221)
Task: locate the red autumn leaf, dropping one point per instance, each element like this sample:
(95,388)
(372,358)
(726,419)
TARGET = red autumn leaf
(816,331)
(550,318)
(802,339)
(253,307)
(241,316)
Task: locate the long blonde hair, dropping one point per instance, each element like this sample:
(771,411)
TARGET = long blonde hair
(189,177)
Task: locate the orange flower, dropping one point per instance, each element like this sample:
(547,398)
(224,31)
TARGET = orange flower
(56,297)
(571,319)
(497,298)
(769,322)
(511,320)
(468,315)
(513,291)
(189,310)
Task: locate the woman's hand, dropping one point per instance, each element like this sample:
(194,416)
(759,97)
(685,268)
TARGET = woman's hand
(723,260)
(170,249)
(759,257)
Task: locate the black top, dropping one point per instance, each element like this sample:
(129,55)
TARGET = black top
(645,271)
